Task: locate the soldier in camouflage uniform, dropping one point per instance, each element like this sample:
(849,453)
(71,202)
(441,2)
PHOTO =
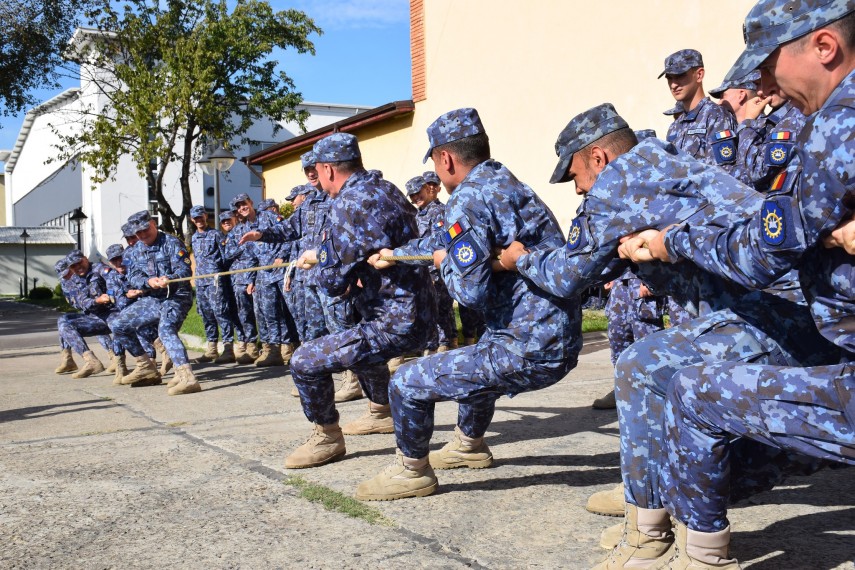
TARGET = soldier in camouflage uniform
(532,339)
(63,273)
(367,214)
(213,294)
(155,259)
(801,49)
(243,286)
(736,95)
(693,130)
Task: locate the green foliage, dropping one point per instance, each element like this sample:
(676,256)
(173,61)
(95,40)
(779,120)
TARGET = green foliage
(191,73)
(34,34)
(332,500)
(57,291)
(41,293)
(594,320)
(286,208)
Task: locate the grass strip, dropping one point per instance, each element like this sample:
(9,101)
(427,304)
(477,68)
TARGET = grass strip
(338,502)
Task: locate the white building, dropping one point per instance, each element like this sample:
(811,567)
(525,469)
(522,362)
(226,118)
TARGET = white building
(41,190)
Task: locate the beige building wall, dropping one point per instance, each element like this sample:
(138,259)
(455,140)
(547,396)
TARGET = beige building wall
(529,67)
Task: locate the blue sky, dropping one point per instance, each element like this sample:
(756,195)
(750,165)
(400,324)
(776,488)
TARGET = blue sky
(363,57)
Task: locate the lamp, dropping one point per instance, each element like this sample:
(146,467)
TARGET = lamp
(212,164)
(24,236)
(78,217)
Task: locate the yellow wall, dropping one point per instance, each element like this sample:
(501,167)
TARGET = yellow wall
(529,67)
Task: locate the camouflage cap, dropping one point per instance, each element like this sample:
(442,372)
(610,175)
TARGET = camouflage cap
(266,203)
(337,147)
(227,215)
(61,267)
(139,221)
(308,159)
(414,185)
(645,134)
(242,197)
(677,109)
(582,130)
(771,23)
(126,231)
(197,211)
(74,256)
(452,126)
(682,61)
(749,82)
(431,177)
(115,250)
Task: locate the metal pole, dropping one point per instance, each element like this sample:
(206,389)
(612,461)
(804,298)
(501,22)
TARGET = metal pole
(79,246)
(216,197)
(26,280)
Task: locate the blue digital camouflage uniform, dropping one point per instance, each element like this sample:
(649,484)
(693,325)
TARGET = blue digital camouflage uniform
(167,307)
(242,257)
(431,228)
(694,131)
(270,307)
(396,304)
(81,292)
(799,407)
(117,289)
(766,144)
(531,341)
(631,317)
(213,294)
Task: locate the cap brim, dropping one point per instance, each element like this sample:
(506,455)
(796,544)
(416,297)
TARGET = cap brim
(661,75)
(560,173)
(427,155)
(748,61)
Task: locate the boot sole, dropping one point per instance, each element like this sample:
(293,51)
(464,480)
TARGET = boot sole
(145,383)
(348,399)
(265,365)
(603,512)
(193,391)
(372,432)
(470,464)
(423,492)
(332,459)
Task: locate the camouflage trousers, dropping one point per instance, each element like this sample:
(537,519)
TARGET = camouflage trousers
(245,325)
(339,314)
(630,318)
(74,326)
(306,306)
(471,322)
(473,376)
(761,329)
(806,413)
(214,305)
(364,349)
(446,326)
(166,314)
(271,310)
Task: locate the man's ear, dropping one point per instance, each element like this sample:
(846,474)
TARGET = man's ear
(826,44)
(598,159)
(446,162)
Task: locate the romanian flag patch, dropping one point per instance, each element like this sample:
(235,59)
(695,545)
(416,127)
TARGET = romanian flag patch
(723,135)
(781,136)
(455,230)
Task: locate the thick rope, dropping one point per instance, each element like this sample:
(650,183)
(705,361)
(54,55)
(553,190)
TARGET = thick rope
(291,265)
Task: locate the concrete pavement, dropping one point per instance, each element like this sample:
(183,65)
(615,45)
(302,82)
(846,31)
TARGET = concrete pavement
(93,475)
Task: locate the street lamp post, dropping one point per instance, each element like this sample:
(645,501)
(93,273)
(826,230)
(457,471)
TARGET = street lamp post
(24,236)
(78,217)
(214,163)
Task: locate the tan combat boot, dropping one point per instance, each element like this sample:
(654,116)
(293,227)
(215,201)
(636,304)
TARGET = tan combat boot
(252,351)
(145,373)
(325,445)
(187,383)
(111,369)
(608,503)
(165,364)
(270,356)
(469,340)
(121,370)
(429,352)
(378,419)
(243,355)
(694,550)
(462,451)
(395,363)
(607,402)
(210,354)
(92,366)
(287,351)
(646,536)
(228,354)
(453,344)
(443,348)
(610,537)
(350,388)
(66,362)
(405,478)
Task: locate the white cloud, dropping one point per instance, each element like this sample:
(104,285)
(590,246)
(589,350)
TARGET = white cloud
(343,14)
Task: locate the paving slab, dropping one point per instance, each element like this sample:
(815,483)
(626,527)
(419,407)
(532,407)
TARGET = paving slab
(98,476)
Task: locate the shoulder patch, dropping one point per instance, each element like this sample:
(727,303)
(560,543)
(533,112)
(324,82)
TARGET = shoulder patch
(466,252)
(778,153)
(774,223)
(577,238)
(327,255)
(455,230)
(779,181)
(724,150)
(781,136)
